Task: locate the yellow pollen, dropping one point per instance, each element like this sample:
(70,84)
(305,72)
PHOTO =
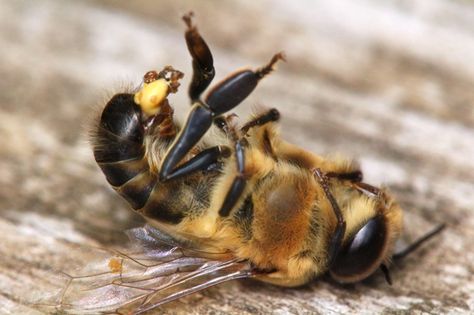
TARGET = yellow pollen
(115,265)
(150,97)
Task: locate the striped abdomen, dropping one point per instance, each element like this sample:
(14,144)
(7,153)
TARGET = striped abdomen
(119,149)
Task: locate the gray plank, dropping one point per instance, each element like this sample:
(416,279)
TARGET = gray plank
(387,82)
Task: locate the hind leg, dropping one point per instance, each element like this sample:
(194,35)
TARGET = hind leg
(203,63)
(225,96)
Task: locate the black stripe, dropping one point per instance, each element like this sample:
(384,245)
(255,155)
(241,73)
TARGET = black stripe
(161,211)
(137,191)
(119,173)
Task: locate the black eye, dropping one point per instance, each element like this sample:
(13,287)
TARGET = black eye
(362,254)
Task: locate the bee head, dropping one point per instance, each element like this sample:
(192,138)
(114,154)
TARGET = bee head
(373,225)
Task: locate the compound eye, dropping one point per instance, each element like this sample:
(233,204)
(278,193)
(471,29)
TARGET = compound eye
(362,254)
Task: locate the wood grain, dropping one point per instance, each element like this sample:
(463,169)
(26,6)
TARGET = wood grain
(388,82)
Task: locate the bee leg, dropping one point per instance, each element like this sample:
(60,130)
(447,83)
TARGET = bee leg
(354,177)
(238,185)
(366,187)
(203,64)
(202,161)
(198,122)
(163,120)
(336,241)
(167,126)
(270,116)
(231,91)
(226,95)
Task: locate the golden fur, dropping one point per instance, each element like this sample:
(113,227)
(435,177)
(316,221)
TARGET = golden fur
(285,207)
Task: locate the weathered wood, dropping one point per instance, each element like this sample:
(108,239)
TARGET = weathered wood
(387,82)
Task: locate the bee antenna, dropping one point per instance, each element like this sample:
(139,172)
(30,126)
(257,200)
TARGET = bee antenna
(386,273)
(412,247)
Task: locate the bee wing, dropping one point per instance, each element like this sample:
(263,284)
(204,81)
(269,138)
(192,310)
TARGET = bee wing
(158,270)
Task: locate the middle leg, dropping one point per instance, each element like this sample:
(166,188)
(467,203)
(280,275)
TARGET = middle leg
(238,136)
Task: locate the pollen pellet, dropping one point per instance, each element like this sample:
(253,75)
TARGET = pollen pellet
(151,95)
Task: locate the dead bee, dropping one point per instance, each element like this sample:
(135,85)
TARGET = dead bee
(226,202)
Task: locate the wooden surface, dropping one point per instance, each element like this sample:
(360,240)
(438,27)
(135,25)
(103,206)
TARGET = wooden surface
(389,82)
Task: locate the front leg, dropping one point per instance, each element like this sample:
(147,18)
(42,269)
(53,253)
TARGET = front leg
(335,243)
(353,176)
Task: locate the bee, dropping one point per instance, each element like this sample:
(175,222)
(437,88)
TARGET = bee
(225,201)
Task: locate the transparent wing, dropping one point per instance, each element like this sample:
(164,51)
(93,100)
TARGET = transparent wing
(156,271)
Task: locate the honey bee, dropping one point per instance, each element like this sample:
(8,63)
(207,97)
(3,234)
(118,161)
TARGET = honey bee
(226,201)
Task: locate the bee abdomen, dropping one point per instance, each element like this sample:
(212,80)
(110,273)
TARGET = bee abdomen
(118,140)
(119,135)
(122,117)
(167,203)
(137,190)
(119,150)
